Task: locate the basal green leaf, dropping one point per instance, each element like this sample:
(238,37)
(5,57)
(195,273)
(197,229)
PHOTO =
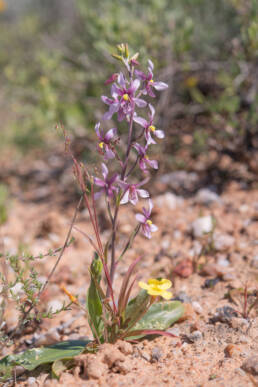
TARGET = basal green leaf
(161,315)
(32,358)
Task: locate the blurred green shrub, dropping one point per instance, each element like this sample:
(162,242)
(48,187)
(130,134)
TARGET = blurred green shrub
(53,69)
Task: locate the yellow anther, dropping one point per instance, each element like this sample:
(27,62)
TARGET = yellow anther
(125,97)
(151,81)
(101,144)
(149,222)
(152,128)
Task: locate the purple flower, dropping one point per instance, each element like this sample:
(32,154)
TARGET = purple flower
(123,99)
(104,145)
(149,82)
(144,160)
(146,224)
(107,185)
(131,192)
(149,127)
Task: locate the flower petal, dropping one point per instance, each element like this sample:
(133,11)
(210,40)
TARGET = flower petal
(106,100)
(153,164)
(143,285)
(135,85)
(159,85)
(110,134)
(140,102)
(99,182)
(167,295)
(104,170)
(143,193)
(125,198)
(141,121)
(153,227)
(154,292)
(141,218)
(97,129)
(151,65)
(109,154)
(159,133)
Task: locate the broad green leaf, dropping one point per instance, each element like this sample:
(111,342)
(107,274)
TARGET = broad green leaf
(93,300)
(160,316)
(136,307)
(35,357)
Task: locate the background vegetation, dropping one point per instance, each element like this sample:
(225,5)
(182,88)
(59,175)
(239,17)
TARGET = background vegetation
(55,56)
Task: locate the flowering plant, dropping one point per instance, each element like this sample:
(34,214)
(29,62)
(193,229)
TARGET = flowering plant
(110,318)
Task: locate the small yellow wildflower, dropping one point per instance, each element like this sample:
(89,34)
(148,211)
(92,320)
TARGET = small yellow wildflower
(72,298)
(125,97)
(157,287)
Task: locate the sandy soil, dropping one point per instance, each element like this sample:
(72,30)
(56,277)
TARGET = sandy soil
(214,347)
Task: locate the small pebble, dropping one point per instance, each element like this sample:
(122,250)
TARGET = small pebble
(232,350)
(183,297)
(210,283)
(156,354)
(145,356)
(228,277)
(240,371)
(222,242)
(223,262)
(224,315)
(195,336)
(243,339)
(254,262)
(239,323)
(168,199)
(197,307)
(202,226)
(206,196)
(31,381)
(251,365)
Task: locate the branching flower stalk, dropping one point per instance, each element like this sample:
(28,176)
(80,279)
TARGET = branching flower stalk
(110,321)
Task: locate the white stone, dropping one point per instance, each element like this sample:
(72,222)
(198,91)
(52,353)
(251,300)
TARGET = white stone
(197,307)
(202,226)
(206,196)
(54,305)
(168,199)
(222,242)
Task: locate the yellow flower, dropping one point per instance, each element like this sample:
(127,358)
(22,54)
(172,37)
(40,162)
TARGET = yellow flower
(157,287)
